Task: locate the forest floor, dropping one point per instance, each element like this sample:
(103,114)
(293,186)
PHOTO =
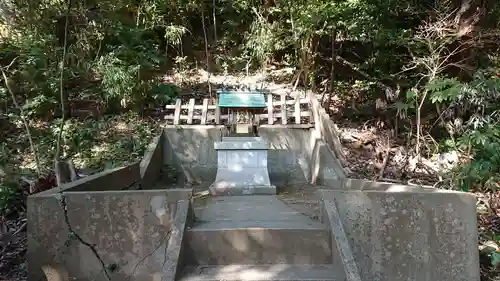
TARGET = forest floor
(363,142)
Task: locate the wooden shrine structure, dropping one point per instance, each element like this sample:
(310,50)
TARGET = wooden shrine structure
(279,109)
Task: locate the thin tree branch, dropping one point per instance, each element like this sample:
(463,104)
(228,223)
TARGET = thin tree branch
(215,22)
(61,87)
(456,51)
(206,50)
(23,118)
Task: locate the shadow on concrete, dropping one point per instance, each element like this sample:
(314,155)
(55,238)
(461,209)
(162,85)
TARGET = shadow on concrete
(127,235)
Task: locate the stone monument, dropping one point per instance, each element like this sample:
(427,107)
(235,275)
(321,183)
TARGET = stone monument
(242,156)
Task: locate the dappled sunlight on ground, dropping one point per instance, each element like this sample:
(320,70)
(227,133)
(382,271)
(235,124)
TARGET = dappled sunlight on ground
(194,82)
(121,126)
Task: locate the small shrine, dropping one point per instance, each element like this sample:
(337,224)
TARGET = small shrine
(242,156)
(243,108)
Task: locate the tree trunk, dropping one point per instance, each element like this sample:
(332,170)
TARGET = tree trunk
(206,50)
(464,7)
(59,151)
(215,23)
(334,55)
(311,70)
(468,15)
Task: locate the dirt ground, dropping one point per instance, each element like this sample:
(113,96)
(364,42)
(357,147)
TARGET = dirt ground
(302,198)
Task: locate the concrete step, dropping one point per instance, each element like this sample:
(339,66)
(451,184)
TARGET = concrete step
(259,242)
(240,208)
(255,230)
(278,272)
(286,224)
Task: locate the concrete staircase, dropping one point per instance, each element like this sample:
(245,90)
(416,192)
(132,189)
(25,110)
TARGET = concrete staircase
(257,238)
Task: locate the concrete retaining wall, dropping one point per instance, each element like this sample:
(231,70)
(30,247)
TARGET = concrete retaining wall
(122,178)
(325,167)
(289,153)
(135,235)
(421,236)
(191,150)
(152,163)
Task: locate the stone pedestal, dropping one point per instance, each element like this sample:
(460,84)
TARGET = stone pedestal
(242,167)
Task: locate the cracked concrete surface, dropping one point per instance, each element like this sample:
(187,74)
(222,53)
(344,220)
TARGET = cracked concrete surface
(72,233)
(125,235)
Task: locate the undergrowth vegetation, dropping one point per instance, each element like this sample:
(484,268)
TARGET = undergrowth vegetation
(93,145)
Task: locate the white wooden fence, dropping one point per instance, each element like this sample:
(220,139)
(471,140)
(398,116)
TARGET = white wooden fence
(279,110)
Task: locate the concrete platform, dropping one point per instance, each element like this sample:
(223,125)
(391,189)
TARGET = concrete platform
(228,188)
(258,246)
(257,208)
(255,230)
(242,167)
(248,224)
(263,272)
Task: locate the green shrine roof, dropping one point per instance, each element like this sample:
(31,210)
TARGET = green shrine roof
(241,99)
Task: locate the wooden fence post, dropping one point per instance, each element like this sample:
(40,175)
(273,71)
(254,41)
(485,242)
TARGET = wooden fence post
(297,110)
(177,114)
(204,111)
(270,108)
(190,112)
(217,113)
(283,110)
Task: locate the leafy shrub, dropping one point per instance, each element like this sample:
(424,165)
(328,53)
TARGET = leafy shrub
(263,40)
(33,71)
(482,172)
(7,192)
(164,93)
(119,79)
(473,120)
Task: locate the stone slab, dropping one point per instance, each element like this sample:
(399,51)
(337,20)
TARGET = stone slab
(238,160)
(243,139)
(246,208)
(152,163)
(263,272)
(139,233)
(431,235)
(113,179)
(223,188)
(256,230)
(242,167)
(258,225)
(241,143)
(258,246)
(244,128)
